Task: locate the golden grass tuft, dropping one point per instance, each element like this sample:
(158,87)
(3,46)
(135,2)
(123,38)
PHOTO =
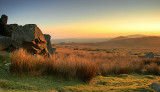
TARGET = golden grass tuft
(68,66)
(23,62)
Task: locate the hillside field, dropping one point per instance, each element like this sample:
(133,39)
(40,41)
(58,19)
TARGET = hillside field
(110,69)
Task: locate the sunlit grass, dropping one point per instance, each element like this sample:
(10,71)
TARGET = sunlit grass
(118,83)
(102,71)
(122,82)
(61,65)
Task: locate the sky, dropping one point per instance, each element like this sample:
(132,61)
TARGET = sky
(86,18)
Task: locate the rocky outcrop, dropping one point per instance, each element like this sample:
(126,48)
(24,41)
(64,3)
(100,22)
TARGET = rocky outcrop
(16,37)
(49,46)
(9,29)
(29,37)
(5,42)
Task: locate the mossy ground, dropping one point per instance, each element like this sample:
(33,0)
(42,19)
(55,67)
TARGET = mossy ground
(41,83)
(118,83)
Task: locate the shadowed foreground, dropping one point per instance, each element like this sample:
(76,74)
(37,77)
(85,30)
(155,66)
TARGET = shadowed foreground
(123,82)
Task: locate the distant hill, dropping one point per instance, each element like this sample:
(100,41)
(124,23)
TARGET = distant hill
(126,37)
(146,41)
(135,36)
(79,40)
(118,38)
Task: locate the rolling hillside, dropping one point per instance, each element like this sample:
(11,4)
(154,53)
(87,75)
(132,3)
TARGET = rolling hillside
(147,41)
(126,37)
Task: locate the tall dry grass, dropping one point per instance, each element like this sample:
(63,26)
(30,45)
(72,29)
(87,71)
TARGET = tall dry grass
(65,66)
(24,63)
(80,64)
(116,63)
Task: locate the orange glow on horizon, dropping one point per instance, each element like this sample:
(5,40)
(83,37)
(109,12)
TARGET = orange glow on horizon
(110,27)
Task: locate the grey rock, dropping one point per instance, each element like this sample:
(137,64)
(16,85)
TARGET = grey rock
(9,28)
(149,55)
(156,86)
(31,32)
(49,46)
(30,37)
(5,42)
(53,50)
(130,53)
(156,54)
(17,38)
(7,66)
(136,54)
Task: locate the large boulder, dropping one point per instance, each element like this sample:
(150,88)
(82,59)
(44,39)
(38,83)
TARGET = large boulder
(29,37)
(9,28)
(17,38)
(5,42)
(49,46)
